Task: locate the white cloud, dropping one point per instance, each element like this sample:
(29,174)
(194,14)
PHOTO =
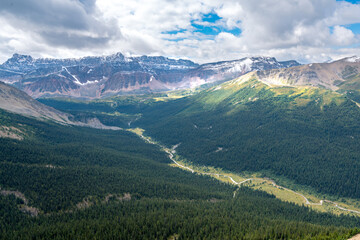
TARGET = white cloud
(345,13)
(304,30)
(342,36)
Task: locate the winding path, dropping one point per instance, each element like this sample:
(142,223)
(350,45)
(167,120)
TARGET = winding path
(172,151)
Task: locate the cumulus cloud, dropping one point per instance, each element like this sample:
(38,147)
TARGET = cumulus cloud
(304,30)
(55,23)
(342,36)
(345,13)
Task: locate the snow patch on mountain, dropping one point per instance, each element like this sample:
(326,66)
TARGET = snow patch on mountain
(76,79)
(353,59)
(244,66)
(101,76)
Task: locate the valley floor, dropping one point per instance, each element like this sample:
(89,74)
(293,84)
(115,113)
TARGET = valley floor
(254,181)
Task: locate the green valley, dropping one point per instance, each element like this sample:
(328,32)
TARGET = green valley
(179,120)
(86,183)
(295,133)
(223,153)
(302,196)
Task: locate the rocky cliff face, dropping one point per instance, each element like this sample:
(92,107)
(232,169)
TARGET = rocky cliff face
(343,74)
(96,77)
(16,101)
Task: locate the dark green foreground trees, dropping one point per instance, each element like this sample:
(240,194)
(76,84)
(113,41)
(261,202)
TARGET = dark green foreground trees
(251,215)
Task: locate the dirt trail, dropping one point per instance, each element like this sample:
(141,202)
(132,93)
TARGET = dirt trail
(172,151)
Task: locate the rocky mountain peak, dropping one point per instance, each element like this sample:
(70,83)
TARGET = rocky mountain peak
(101,76)
(18,62)
(21,58)
(117,57)
(160,60)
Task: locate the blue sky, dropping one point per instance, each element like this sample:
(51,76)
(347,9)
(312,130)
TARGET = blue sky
(355,27)
(350,1)
(199,30)
(209,25)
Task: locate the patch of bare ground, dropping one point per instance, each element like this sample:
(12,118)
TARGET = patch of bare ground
(215,200)
(86,203)
(52,166)
(23,207)
(33,211)
(126,197)
(174,237)
(11,132)
(17,194)
(356,237)
(90,201)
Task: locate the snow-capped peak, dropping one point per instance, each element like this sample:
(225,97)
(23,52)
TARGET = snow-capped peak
(117,57)
(19,62)
(353,59)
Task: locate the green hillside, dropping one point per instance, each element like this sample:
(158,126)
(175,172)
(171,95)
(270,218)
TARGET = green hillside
(46,165)
(85,183)
(310,135)
(306,134)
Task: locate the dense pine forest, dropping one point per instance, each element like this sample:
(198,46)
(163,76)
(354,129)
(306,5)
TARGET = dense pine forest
(59,166)
(301,145)
(91,184)
(251,215)
(297,133)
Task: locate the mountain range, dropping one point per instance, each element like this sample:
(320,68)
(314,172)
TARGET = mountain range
(300,123)
(271,122)
(338,75)
(97,77)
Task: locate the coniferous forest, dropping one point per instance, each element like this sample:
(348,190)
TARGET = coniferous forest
(310,138)
(89,183)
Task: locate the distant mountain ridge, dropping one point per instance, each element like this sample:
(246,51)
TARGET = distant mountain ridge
(16,101)
(341,75)
(25,63)
(96,77)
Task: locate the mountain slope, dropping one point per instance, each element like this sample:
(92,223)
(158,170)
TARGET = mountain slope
(95,77)
(307,134)
(338,75)
(110,184)
(16,101)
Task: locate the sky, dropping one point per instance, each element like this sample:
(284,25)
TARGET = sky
(202,31)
